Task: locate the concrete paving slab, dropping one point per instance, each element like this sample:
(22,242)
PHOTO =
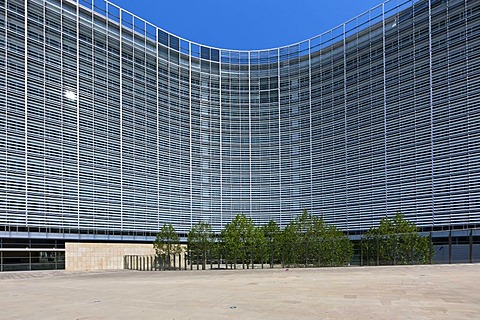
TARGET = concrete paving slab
(399,292)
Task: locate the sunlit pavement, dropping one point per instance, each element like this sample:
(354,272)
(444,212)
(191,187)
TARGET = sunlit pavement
(400,292)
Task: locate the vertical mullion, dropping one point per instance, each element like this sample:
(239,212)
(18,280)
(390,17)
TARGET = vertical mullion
(190,127)
(384,75)
(249,136)
(78,111)
(430,75)
(4,97)
(221,129)
(120,11)
(62,88)
(146,115)
(25,53)
(107,73)
(169,133)
(279,141)
(345,97)
(310,119)
(158,127)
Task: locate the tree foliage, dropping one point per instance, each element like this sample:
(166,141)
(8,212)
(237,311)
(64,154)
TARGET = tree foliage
(307,240)
(167,241)
(166,244)
(271,249)
(301,239)
(336,248)
(396,241)
(201,241)
(241,239)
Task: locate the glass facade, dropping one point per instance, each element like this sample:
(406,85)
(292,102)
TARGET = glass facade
(111,126)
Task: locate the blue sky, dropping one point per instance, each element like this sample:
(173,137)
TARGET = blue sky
(247,24)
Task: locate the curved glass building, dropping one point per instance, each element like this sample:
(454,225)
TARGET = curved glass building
(111,127)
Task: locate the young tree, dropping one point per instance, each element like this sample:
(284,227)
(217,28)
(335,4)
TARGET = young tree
(312,231)
(272,235)
(307,239)
(302,238)
(201,240)
(259,251)
(396,241)
(240,238)
(336,248)
(290,243)
(167,243)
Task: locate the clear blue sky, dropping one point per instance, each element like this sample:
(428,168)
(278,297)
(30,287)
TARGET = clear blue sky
(247,24)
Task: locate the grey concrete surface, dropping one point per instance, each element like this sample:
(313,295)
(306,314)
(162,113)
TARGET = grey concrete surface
(401,292)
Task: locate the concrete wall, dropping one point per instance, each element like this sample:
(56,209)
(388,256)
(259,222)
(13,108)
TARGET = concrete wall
(101,256)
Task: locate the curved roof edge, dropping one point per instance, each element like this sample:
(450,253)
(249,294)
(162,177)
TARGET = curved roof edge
(128,20)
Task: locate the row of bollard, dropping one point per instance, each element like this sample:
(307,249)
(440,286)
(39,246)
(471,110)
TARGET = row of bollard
(155,263)
(182,261)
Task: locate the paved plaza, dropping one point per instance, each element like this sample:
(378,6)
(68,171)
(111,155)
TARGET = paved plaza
(401,292)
